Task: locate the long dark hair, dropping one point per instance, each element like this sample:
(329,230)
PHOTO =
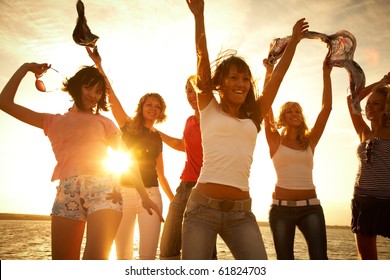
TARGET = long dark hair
(90,76)
(250,107)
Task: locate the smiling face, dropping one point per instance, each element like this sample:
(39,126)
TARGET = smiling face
(375,106)
(151,109)
(90,96)
(236,86)
(290,115)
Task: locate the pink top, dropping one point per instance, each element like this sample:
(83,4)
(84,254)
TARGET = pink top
(79,142)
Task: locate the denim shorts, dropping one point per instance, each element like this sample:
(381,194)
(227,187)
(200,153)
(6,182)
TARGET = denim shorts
(79,196)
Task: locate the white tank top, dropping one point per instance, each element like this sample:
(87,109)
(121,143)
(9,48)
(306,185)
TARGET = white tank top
(294,168)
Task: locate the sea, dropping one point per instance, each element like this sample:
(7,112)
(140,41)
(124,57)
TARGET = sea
(30,240)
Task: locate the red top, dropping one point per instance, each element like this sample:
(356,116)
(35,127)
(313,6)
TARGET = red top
(194,152)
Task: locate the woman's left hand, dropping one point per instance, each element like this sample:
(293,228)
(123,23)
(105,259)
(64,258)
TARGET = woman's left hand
(94,55)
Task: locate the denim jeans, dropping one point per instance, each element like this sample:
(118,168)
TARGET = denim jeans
(310,221)
(238,229)
(170,244)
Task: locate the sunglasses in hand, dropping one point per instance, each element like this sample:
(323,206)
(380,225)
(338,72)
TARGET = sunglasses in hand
(48,81)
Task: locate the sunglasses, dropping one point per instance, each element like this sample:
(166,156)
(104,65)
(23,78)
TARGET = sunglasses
(53,81)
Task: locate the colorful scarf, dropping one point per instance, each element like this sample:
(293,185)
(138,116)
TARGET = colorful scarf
(341,47)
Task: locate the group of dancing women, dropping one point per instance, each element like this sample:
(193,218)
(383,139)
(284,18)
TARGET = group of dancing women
(213,198)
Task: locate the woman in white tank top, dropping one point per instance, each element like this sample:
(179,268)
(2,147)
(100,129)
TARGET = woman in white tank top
(295,202)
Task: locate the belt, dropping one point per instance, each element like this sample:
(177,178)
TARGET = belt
(296,203)
(224,205)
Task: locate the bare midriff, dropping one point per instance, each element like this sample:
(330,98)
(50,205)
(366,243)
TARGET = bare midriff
(219,191)
(287,194)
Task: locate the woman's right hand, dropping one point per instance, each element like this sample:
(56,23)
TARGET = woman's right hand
(38,68)
(196,6)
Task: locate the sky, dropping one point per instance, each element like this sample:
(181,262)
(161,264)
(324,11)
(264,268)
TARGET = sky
(148,46)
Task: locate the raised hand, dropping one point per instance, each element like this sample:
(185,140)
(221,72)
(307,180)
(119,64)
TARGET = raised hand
(386,78)
(196,6)
(299,29)
(94,55)
(38,69)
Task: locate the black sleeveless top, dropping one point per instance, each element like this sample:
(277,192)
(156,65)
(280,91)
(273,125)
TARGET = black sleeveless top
(145,147)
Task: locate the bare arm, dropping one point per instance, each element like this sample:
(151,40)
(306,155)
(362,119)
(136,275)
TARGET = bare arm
(116,107)
(161,177)
(174,143)
(272,87)
(203,62)
(368,89)
(271,133)
(7,95)
(323,116)
(361,127)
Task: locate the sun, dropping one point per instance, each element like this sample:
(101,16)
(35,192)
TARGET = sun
(117,161)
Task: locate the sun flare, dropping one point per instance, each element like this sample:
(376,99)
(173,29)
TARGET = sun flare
(117,161)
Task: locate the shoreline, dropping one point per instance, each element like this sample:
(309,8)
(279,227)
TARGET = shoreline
(15,216)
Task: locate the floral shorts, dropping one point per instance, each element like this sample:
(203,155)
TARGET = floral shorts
(79,196)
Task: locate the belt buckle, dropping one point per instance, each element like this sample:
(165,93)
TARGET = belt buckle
(226,205)
(291,203)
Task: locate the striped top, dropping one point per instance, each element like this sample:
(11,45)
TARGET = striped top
(373,176)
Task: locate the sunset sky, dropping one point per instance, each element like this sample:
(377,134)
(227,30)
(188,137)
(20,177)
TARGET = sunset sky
(148,46)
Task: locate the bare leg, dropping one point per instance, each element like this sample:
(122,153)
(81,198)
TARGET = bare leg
(101,229)
(366,246)
(66,237)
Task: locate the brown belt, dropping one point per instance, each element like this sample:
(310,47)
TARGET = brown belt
(224,205)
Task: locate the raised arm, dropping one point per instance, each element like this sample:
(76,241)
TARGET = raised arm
(203,63)
(116,107)
(323,116)
(359,124)
(174,143)
(271,133)
(368,89)
(8,93)
(272,87)
(361,127)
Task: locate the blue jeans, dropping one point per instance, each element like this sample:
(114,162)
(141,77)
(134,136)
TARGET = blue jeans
(238,229)
(170,244)
(310,221)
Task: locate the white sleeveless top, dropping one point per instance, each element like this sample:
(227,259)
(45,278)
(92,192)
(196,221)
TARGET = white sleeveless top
(294,168)
(228,145)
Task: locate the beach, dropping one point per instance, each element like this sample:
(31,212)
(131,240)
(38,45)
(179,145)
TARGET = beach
(27,237)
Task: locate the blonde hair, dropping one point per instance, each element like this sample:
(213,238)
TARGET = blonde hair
(135,124)
(385,90)
(303,135)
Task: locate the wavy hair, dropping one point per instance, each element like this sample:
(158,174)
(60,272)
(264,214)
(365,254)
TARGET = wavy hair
(135,123)
(303,135)
(89,76)
(250,108)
